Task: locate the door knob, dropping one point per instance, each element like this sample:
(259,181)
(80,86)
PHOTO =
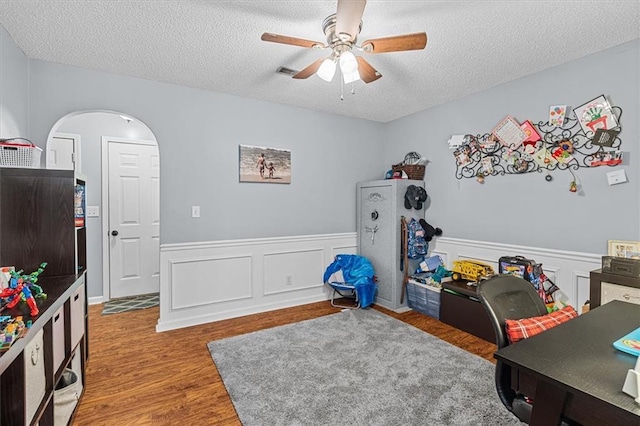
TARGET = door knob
(114,233)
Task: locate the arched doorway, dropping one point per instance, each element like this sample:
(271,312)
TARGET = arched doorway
(104,138)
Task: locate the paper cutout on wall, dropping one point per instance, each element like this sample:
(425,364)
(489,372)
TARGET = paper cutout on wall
(595,114)
(606,158)
(557,114)
(605,137)
(544,158)
(532,133)
(508,132)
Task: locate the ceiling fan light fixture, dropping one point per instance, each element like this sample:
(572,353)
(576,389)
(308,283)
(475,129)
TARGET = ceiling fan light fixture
(341,30)
(327,69)
(351,77)
(348,63)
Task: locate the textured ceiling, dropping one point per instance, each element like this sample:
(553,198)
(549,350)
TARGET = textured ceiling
(215,45)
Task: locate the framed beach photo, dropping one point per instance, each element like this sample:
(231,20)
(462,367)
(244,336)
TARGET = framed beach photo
(264,165)
(628,249)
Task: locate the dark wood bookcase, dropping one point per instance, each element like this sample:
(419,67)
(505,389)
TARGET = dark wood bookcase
(37,225)
(36,220)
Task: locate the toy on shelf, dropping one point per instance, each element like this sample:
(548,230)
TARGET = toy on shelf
(431,271)
(23,287)
(12,330)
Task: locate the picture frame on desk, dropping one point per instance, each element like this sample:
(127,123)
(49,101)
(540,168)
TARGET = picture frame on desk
(628,249)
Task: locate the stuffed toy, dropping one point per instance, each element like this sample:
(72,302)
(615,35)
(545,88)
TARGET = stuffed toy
(429,231)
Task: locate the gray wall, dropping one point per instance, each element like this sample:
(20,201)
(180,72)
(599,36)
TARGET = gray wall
(14,78)
(198,134)
(525,209)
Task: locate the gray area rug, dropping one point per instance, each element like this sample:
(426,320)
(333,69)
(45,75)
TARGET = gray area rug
(356,367)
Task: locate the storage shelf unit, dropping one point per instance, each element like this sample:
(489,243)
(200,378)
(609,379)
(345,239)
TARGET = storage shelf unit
(81,247)
(16,384)
(37,225)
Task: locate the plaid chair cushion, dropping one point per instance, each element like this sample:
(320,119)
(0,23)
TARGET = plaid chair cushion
(527,327)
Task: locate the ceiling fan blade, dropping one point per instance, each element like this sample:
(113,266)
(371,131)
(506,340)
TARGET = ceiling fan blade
(310,70)
(276,38)
(367,72)
(399,43)
(348,17)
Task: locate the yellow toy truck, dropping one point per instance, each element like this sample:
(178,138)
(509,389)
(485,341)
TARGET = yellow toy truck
(471,270)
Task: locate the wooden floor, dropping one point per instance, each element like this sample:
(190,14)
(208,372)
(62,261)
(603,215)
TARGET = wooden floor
(136,376)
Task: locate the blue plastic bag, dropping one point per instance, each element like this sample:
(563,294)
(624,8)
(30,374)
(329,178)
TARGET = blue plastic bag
(357,271)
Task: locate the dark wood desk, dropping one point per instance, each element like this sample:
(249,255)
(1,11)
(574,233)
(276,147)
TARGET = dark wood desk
(573,370)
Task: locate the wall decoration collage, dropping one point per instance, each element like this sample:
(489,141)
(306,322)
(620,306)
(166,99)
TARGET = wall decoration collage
(587,137)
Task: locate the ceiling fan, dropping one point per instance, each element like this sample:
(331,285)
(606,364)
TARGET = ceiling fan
(342,29)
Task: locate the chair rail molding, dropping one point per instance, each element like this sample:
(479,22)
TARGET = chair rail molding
(568,270)
(202,282)
(209,281)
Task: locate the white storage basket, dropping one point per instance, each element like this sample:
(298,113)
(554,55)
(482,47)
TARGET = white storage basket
(18,154)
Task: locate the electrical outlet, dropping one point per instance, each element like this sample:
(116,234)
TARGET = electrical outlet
(93,211)
(289,280)
(195,211)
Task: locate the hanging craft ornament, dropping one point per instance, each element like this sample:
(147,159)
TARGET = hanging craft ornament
(573,186)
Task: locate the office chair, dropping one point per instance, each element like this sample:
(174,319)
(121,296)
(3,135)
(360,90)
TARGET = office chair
(509,297)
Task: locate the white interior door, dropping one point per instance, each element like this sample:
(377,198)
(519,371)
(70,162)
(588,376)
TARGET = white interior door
(134,219)
(63,152)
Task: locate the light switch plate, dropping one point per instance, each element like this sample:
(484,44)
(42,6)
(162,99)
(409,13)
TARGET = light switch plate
(93,211)
(619,176)
(195,211)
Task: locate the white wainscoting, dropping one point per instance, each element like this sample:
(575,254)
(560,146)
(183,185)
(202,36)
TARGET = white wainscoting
(568,270)
(210,281)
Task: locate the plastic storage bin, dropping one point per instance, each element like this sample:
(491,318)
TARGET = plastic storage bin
(424,298)
(19,153)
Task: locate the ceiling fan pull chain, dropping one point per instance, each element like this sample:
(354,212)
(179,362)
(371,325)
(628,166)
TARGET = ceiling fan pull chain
(353,88)
(341,88)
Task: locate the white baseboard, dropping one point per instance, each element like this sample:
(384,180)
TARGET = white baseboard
(211,281)
(95,300)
